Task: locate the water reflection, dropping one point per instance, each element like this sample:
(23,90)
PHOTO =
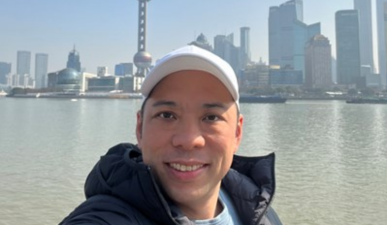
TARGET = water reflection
(331,156)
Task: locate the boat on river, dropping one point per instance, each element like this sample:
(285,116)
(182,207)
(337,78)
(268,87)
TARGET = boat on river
(3,93)
(262,99)
(367,101)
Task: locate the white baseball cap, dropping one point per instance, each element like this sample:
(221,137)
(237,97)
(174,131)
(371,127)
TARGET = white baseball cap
(192,58)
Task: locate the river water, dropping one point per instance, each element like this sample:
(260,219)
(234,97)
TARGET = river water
(331,156)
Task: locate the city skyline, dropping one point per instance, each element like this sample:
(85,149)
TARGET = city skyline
(381,6)
(105,33)
(365,32)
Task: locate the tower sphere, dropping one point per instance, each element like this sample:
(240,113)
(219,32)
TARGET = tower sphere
(142,59)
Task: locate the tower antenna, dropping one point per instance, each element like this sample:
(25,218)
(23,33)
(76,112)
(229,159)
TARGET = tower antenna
(142,59)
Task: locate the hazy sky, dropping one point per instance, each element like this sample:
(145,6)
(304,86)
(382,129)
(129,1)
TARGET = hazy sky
(105,31)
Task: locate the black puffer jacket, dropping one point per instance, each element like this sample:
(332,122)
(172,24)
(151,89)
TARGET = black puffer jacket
(121,190)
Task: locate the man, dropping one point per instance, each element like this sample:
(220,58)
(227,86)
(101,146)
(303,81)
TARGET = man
(188,129)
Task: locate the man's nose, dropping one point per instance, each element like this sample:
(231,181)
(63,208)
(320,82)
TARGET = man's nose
(188,135)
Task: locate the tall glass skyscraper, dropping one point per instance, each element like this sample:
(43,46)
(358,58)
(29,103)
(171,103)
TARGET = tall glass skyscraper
(245,46)
(381,7)
(23,63)
(73,61)
(220,44)
(365,32)
(288,35)
(347,47)
(41,66)
(5,70)
(224,47)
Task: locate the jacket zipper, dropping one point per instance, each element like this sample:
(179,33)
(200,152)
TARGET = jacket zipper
(164,203)
(272,196)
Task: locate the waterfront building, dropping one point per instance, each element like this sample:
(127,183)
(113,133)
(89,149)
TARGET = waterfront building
(245,55)
(318,63)
(127,84)
(347,47)
(201,41)
(22,81)
(73,61)
(255,75)
(103,84)
(5,71)
(13,80)
(69,80)
(224,47)
(102,71)
(23,62)
(368,77)
(381,7)
(285,76)
(364,8)
(372,79)
(52,79)
(288,35)
(41,67)
(123,69)
(334,70)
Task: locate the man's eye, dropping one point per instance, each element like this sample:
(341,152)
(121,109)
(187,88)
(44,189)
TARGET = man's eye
(211,118)
(166,115)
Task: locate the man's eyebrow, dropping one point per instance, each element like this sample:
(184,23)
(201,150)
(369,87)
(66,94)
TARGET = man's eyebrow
(205,105)
(164,103)
(215,105)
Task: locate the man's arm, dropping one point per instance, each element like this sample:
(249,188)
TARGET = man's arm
(103,210)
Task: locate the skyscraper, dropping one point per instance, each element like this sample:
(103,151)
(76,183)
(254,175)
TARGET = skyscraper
(220,44)
(123,69)
(5,70)
(73,61)
(347,47)
(318,63)
(288,35)
(365,32)
(224,47)
(381,7)
(23,63)
(41,66)
(245,55)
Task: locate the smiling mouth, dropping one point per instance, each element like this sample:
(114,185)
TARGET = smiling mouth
(185,168)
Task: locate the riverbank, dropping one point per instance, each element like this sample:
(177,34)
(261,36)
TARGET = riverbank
(79,96)
(103,95)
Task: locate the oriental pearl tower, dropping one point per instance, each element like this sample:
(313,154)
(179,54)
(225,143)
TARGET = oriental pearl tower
(142,59)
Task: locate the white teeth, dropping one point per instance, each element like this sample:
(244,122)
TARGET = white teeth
(185,168)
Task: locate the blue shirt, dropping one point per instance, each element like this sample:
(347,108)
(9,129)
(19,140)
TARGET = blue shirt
(228,216)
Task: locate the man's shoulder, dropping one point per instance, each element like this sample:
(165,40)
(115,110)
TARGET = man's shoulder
(105,210)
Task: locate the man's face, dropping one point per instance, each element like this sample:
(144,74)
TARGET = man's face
(188,134)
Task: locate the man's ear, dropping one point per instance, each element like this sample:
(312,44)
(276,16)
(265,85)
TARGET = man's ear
(238,132)
(139,124)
